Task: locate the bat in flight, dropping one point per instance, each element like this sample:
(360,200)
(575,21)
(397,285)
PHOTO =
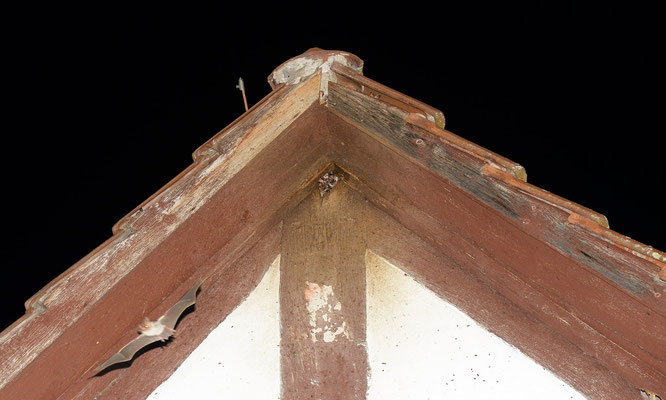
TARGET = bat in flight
(152,331)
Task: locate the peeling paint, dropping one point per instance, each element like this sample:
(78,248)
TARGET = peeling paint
(330,336)
(326,319)
(294,71)
(299,69)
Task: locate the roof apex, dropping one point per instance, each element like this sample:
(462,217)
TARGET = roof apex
(299,68)
(453,194)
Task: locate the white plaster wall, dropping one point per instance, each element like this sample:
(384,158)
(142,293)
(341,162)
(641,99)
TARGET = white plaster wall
(240,359)
(421,347)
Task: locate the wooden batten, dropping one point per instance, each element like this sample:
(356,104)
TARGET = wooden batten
(543,273)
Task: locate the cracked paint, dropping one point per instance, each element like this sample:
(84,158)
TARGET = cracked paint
(299,69)
(326,319)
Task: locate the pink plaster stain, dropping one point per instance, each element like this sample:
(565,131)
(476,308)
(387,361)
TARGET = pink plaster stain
(310,291)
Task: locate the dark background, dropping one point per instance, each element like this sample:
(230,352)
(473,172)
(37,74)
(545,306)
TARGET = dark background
(102,108)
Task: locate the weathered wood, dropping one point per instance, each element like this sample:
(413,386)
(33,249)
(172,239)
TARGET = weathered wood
(629,267)
(388,124)
(530,298)
(541,220)
(348,77)
(223,292)
(172,237)
(453,220)
(528,264)
(505,317)
(322,298)
(542,214)
(391,111)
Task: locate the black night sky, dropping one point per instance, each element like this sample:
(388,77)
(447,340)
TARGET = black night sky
(102,109)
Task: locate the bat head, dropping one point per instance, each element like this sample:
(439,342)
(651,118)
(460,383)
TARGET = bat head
(145,324)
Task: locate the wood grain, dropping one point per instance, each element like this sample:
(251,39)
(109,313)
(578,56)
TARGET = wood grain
(322,298)
(506,317)
(535,268)
(573,298)
(235,278)
(541,214)
(227,203)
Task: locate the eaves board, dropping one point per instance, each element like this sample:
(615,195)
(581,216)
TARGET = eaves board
(557,261)
(112,283)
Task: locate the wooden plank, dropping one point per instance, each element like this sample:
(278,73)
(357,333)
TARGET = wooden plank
(524,214)
(461,286)
(173,238)
(322,298)
(640,264)
(453,220)
(348,77)
(542,214)
(221,293)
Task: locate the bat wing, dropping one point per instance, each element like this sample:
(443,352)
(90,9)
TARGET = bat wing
(171,317)
(127,352)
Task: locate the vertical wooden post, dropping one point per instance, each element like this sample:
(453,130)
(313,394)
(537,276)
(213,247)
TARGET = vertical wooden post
(322,298)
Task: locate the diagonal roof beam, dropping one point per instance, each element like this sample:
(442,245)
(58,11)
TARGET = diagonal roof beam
(446,190)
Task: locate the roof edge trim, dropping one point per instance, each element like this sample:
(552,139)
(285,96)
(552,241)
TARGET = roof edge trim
(360,83)
(491,170)
(298,69)
(142,231)
(585,218)
(425,143)
(423,117)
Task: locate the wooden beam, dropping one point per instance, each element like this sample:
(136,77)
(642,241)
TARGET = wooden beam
(488,179)
(572,298)
(219,296)
(223,208)
(322,298)
(508,318)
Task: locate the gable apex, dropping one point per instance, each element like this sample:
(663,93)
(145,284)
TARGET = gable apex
(463,220)
(298,69)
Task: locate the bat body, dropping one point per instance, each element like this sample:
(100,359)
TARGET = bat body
(152,331)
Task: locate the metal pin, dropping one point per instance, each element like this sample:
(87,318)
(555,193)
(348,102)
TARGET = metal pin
(241,86)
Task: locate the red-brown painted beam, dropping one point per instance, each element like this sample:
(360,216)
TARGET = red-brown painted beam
(219,296)
(232,219)
(507,318)
(452,220)
(322,298)
(535,211)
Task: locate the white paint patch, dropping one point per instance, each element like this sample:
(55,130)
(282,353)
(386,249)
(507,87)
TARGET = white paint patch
(421,347)
(299,69)
(325,315)
(296,70)
(240,359)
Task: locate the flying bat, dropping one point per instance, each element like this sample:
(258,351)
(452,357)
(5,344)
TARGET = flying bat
(152,331)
